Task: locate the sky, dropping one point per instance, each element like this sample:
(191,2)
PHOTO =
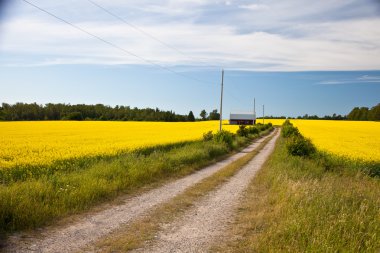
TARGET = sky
(294,56)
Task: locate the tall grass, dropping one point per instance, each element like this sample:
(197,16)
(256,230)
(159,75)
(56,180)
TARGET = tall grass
(320,203)
(141,231)
(22,172)
(36,200)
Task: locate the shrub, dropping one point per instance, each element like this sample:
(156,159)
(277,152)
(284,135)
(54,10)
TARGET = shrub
(259,126)
(208,136)
(287,122)
(224,137)
(297,145)
(374,170)
(288,130)
(242,131)
(253,130)
(263,127)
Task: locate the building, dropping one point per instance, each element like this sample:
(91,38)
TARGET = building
(243,118)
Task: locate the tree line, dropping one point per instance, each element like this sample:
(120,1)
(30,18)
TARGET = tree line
(326,117)
(307,116)
(50,111)
(364,113)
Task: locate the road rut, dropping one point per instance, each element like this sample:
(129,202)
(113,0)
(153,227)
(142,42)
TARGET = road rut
(205,222)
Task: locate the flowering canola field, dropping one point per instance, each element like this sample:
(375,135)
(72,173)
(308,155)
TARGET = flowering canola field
(354,139)
(43,142)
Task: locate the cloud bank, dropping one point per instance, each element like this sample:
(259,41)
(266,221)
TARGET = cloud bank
(266,35)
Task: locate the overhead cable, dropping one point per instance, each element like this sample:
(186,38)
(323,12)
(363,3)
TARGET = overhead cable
(114,45)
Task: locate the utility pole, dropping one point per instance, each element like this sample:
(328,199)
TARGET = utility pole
(254,110)
(221,102)
(263,114)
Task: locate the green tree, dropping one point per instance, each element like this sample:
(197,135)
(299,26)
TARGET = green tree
(354,114)
(203,114)
(214,115)
(374,113)
(191,117)
(363,113)
(74,116)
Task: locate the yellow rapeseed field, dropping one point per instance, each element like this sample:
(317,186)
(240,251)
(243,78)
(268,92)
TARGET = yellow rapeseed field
(354,139)
(43,142)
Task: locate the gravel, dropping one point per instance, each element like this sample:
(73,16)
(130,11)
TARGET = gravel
(91,227)
(202,225)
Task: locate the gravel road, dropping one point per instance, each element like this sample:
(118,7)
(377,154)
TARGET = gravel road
(89,228)
(202,225)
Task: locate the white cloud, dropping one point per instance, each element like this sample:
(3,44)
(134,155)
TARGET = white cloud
(361,79)
(352,44)
(370,78)
(254,7)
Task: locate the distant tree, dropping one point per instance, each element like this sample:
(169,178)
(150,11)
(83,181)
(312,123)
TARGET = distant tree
(214,115)
(357,113)
(275,117)
(191,117)
(74,116)
(2,115)
(203,114)
(374,113)
(21,111)
(354,114)
(364,113)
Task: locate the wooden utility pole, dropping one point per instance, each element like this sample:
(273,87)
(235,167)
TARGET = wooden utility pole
(263,114)
(254,110)
(221,102)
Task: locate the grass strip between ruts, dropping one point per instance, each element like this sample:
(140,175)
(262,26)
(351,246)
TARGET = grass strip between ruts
(143,230)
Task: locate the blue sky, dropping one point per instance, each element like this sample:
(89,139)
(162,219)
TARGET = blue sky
(296,57)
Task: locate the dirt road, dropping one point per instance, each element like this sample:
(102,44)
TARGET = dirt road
(90,228)
(201,225)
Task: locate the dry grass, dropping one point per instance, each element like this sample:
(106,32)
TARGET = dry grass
(143,230)
(295,205)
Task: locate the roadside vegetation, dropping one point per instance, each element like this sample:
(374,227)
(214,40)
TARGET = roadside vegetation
(143,230)
(304,200)
(35,200)
(43,147)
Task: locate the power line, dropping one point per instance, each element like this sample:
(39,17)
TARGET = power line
(147,34)
(112,44)
(238,100)
(136,27)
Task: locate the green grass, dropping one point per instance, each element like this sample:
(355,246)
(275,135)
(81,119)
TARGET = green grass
(27,172)
(138,233)
(36,201)
(318,204)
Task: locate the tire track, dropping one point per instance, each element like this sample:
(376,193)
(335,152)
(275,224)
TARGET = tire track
(203,224)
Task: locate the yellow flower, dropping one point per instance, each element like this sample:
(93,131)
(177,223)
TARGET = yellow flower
(43,142)
(354,139)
